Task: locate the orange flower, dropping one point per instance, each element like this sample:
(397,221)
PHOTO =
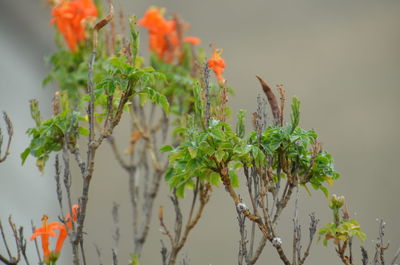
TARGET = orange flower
(192,40)
(70,17)
(75,209)
(47,230)
(61,238)
(44,232)
(63,229)
(163,38)
(217,64)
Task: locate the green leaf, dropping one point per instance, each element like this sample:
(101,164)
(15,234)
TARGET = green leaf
(240,126)
(135,39)
(234,178)
(215,179)
(192,152)
(83,131)
(25,154)
(155,97)
(295,115)
(166,148)
(134,259)
(142,99)
(325,191)
(169,174)
(219,155)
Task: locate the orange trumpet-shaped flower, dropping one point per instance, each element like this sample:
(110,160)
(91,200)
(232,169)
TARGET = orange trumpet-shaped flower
(163,36)
(45,232)
(75,209)
(61,238)
(192,40)
(218,65)
(70,18)
(63,229)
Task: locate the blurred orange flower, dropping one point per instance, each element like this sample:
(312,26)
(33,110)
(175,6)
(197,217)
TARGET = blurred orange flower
(218,65)
(70,18)
(192,40)
(163,38)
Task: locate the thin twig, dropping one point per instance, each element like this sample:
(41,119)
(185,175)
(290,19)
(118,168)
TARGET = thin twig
(164,253)
(297,231)
(15,234)
(364,254)
(396,256)
(206,88)
(313,229)
(36,244)
(22,244)
(5,241)
(10,132)
(114,257)
(98,251)
(115,216)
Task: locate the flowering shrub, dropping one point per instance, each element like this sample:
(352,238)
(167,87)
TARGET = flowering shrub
(179,132)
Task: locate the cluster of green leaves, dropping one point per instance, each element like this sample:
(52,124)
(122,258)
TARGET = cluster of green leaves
(295,146)
(205,151)
(341,229)
(180,79)
(119,74)
(69,72)
(113,75)
(49,137)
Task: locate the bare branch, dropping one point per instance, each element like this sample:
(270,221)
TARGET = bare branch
(115,216)
(5,241)
(396,256)
(22,244)
(206,80)
(164,253)
(114,257)
(36,244)
(313,229)
(380,247)
(98,252)
(10,132)
(364,256)
(165,230)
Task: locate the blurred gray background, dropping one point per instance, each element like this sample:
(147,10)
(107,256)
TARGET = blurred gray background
(341,58)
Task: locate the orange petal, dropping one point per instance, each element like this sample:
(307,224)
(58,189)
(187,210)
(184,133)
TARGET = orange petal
(192,40)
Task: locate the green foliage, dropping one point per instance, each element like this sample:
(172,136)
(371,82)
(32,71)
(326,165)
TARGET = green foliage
(205,151)
(135,39)
(240,126)
(69,71)
(49,136)
(295,115)
(134,259)
(112,75)
(294,150)
(342,228)
(345,230)
(179,88)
